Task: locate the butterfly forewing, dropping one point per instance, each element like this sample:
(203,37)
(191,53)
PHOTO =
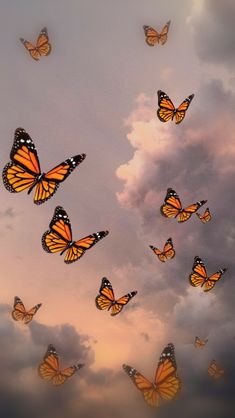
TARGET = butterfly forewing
(164,33)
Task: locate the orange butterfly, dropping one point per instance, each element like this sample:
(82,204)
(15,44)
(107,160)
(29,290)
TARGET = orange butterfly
(172,207)
(19,312)
(23,172)
(215,371)
(198,343)
(106,299)
(206,217)
(199,275)
(42,47)
(167,110)
(153,37)
(166,384)
(59,238)
(50,370)
(168,251)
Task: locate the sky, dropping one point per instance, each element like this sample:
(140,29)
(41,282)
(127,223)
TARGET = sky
(97,94)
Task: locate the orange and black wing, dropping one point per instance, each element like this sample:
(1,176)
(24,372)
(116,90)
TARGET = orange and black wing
(121,302)
(59,236)
(199,273)
(215,371)
(43,46)
(164,33)
(23,170)
(152,36)
(106,298)
(31,48)
(30,314)
(19,311)
(78,249)
(186,213)
(166,110)
(181,110)
(50,182)
(167,382)
(206,217)
(146,387)
(212,280)
(199,343)
(168,252)
(172,204)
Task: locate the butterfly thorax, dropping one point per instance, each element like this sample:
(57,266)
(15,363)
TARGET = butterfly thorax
(70,244)
(37,180)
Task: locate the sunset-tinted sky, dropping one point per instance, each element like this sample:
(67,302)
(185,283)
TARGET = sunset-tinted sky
(97,94)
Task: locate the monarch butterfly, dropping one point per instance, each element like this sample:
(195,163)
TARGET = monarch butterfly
(167,253)
(206,217)
(198,343)
(153,37)
(59,238)
(215,371)
(50,370)
(42,47)
(167,110)
(172,207)
(166,384)
(199,277)
(106,299)
(23,172)
(19,312)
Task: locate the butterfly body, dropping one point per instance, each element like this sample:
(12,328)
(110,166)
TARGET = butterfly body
(19,312)
(167,110)
(106,298)
(168,251)
(199,277)
(42,47)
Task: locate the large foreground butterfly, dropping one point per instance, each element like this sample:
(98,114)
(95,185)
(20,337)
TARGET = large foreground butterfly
(199,277)
(167,110)
(19,312)
(106,298)
(153,37)
(42,47)
(215,371)
(50,370)
(172,207)
(168,251)
(59,238)
(24,173)
(166,384)
(199,343)
(206,217)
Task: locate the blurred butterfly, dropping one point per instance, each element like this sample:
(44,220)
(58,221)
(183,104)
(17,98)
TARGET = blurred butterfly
(106,299)
(167,110)
(50,370)
(166,383)
(215,371)
(198,343)
(24,173)
(206,217)
(19,312)
(167,253)
(42,47)
(153,37)
(59,238)
(172,207)
(199,277)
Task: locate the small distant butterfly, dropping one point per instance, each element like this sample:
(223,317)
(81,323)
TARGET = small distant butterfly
(215,371)
(106,298)
(199,343)
(59,238)
(206,217)
(167,110)
(172,207)
(168,251)
(50,370)
(153,37)
(42,47)
(24,173)
(166,383)
(199,277)
(19,312)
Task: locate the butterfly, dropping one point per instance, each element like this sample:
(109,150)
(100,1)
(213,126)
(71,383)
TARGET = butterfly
(167,253)
(167,110)
(199,277)
(166,384)
(42,47)
(50,370)
(198,343)
(153,37)
(106,299)
(172,207)
(206,217)
(59,238)
(215,371)
(24,173)
(19,312)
